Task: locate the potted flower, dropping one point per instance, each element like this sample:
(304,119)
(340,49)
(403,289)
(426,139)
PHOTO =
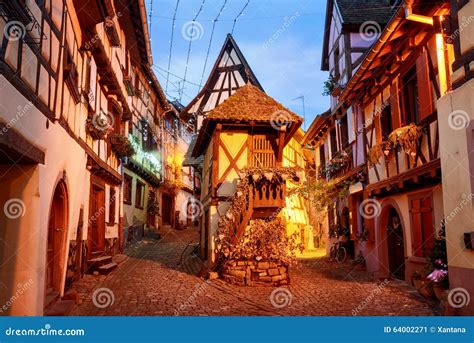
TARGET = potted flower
(423,285)
(416,279)
(122,146)
(437,267)
(329,86)
(439,276)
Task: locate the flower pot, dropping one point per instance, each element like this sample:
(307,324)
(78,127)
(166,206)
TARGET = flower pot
(417,283)
(427,289)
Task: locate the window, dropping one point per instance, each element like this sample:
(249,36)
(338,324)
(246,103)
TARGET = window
(322,156)
(263,152)
(421,214)
(410,99)
(112,206)
(344,132)
(127,189)
(333,140)
(386,126)
(71,77)
(140,192)
(337,56)
(138,91)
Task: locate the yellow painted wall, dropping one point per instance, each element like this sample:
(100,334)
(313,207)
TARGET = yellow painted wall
(234,142)
(295,212)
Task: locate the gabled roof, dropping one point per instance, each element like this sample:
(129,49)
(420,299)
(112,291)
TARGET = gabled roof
(246,106)
(249,103)
(353,14)
(230,72)
(361,11)
(316,125)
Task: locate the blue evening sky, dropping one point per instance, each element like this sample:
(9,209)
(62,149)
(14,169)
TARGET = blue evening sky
(281,40)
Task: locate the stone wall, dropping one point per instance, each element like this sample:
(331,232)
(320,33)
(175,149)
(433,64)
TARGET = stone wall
(252,273)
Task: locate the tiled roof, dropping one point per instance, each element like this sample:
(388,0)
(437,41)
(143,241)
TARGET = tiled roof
(249,103)
(361,11)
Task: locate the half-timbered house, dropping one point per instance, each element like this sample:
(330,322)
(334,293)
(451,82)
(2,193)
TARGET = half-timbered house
(385,121)
(68,70)
(238,134)
(143,170)
(230,73)
(396,88)
(337,150)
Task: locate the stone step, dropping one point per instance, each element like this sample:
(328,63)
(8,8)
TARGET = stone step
(107,268)
(101,259)
(95,263)
(50,298)
(60,308)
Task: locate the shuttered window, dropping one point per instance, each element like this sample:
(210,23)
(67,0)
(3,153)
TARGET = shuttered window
(263,152)
(423,231)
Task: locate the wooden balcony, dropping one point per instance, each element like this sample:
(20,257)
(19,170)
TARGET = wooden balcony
(398,169)
(269,195)
(339,166)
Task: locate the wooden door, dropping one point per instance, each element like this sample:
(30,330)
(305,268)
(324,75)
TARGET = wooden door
(57,229)
(396,245)
(167,209)
(97,219)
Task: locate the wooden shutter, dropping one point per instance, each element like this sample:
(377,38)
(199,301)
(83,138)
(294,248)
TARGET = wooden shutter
(424,86)
(416,226)
(395,105)
(422,226)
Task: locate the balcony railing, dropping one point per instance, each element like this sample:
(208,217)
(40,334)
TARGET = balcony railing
(407,150)
(269,195)
(338,166)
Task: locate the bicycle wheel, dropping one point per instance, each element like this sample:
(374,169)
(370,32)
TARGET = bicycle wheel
(332,253)
(341,255)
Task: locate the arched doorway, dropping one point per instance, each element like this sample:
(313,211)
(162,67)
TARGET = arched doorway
(395,244)
(55,254)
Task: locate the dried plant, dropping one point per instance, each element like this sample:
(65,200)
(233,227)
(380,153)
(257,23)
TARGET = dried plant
(262,239)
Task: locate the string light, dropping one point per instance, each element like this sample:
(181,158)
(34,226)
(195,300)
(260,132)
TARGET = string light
(171,43)
(241,13)
(216,19)
(189,50)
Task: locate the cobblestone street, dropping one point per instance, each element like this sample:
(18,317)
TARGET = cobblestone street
(150,281)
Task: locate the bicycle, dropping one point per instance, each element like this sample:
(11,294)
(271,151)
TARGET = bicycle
(338,253)
(191,250)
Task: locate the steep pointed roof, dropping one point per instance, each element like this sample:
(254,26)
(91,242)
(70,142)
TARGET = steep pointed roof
(230,72)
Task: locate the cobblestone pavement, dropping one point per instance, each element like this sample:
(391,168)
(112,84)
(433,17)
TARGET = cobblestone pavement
(150,281)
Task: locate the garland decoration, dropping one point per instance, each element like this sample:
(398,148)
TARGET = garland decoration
(122,146)
(377,151)
(407,138)
(262,239)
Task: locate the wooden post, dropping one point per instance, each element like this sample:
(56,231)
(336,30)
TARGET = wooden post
(281,145)
(215,159)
